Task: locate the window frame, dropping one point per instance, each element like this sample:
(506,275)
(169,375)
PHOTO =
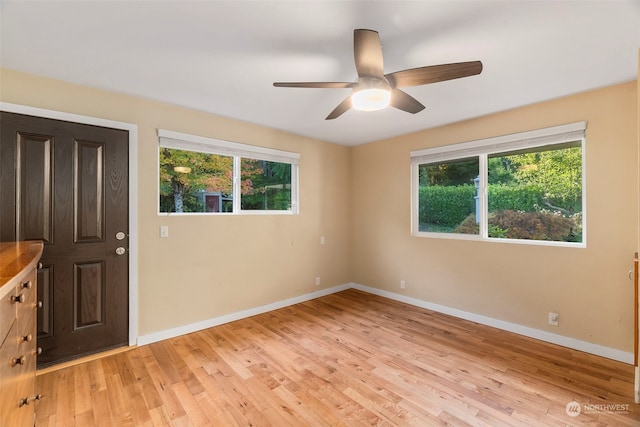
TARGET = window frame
(482,149)
(183,141)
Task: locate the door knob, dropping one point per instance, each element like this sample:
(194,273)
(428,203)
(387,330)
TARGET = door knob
(120,250)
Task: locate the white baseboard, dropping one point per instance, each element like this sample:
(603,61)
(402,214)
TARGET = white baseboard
(587,347)
(198,326)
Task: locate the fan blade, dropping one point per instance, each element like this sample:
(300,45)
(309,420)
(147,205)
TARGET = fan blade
(342,108)
(367,52)
(433,74)
(405,102)
(322,85)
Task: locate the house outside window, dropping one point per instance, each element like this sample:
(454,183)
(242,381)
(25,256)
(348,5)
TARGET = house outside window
(199,175)
(526,188)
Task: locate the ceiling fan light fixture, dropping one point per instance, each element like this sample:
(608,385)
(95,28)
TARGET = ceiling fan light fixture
(372,99)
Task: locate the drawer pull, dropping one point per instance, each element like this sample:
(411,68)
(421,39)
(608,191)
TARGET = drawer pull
(37,305)
(18,361)
(17,298)
(27,285)
(37,351)
(26,338)
(26,400)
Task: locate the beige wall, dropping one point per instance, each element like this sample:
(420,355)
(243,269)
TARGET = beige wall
(359,198)
(589,288)
(215,265)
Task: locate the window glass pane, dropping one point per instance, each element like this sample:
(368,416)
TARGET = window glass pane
(265,185)
(536,194)
(447,196)
(195,182)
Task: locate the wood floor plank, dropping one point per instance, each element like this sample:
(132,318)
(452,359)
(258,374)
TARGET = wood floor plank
(347,359)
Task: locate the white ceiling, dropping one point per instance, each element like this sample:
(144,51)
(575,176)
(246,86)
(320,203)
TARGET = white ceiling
(223,56)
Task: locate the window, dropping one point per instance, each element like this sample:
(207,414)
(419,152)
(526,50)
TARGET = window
(526,187)
(201,175)
(447,195)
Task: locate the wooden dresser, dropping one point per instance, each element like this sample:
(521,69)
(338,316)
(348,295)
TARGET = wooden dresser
(18,305)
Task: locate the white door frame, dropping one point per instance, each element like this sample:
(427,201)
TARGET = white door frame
(133,191)
(636,386)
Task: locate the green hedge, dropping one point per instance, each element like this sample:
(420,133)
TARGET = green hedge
(515,197)
(450,205)
(446,205)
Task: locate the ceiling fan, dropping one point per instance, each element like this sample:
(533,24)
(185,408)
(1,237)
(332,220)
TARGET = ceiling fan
(375,90)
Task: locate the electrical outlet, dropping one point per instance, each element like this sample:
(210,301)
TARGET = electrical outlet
(164,231)
(403,285)
(317,281)
(553,318)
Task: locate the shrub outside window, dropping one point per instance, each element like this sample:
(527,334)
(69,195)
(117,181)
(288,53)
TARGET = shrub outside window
(526,187)
(199,175)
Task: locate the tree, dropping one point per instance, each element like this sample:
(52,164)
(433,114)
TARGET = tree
(265,185)
(183,173)
(457,172)
(501,170)
(558,172)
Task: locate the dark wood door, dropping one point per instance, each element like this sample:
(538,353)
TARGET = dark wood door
(67,185)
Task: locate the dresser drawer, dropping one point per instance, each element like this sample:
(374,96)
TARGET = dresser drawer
(11,375)
(26,308)
(7,310)
(18,297)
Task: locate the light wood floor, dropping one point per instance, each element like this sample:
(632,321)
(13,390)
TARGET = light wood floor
(348,359)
